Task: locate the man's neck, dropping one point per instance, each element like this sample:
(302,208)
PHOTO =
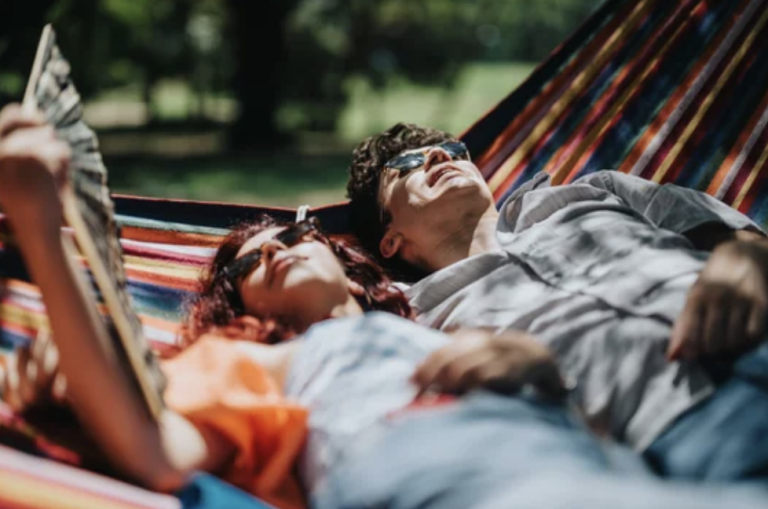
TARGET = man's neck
(476,235)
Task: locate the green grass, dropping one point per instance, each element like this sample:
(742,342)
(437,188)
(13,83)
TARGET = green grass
(315,176)
(281,180)
(479,87)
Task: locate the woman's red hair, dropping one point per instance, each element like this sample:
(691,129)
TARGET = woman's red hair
(218,308)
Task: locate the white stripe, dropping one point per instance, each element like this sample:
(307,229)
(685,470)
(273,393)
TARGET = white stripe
(29,302)
(698,84)
(160,335)
(731,176)
(171,248)
(19,293)
(48,471)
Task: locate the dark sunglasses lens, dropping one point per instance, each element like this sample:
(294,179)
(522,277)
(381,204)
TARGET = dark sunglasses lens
(294,233)
(290,237)
(406,163)
(455,149)
(242,265)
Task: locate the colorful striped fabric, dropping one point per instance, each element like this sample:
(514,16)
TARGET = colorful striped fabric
(27,482)
(162,273)
(670,91)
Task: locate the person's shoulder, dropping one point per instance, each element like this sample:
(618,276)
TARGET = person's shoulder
(365,321)
(541,180)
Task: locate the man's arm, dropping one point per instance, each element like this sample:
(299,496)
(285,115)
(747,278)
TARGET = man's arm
(726,309)
(708,236)
(704,220)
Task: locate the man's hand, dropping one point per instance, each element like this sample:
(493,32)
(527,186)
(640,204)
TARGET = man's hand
(31,376)
(499,362)
(33,165)
(727,307)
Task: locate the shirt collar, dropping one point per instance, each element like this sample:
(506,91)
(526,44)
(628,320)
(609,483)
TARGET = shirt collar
(439,286)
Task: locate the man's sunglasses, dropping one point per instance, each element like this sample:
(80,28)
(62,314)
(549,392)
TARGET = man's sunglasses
(406,163)
(249,262)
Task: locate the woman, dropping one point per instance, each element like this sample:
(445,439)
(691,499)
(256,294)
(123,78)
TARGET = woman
(373,439)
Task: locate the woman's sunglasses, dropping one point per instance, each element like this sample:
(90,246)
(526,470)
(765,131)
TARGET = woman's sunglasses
(406,163)
(249,262)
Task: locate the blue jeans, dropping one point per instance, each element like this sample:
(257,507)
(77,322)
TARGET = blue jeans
(489,451)
(725,438)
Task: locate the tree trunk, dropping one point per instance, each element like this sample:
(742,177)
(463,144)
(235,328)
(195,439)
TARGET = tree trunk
(258,46)
(21,24)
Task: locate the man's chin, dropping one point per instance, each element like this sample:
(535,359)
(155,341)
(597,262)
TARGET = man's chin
(464,197)
(461,184)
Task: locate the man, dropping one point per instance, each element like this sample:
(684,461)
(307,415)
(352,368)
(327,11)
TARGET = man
(640,289)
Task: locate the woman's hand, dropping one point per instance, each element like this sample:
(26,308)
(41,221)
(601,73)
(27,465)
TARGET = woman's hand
(726,309)
(33,167)
(31,376)
(504,363)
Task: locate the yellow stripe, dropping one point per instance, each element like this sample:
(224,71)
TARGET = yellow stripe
(582,81)
(608,116)
(702,111)
(162,268)
(36,493)
(23,317)
(751,179)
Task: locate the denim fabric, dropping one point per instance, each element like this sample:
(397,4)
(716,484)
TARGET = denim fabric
(493,452)
(725,438)
(452,457)
(556,491)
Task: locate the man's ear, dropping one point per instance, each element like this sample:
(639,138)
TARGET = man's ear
(390,244)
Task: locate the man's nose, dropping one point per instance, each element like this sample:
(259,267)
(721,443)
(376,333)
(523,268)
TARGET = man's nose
(435,156)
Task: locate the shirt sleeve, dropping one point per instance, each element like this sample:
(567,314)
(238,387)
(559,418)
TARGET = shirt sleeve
(668,206)
(218,386)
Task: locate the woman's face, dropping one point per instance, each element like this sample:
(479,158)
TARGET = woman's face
(302,282)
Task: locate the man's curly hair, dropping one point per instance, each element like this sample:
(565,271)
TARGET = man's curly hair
(368,160)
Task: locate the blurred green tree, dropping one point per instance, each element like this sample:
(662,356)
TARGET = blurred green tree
(258,50)
(18,42)
(278,56)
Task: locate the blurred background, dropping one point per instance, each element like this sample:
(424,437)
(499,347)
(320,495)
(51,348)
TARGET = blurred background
(262,101)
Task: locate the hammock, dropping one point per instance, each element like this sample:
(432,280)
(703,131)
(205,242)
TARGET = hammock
(670,91)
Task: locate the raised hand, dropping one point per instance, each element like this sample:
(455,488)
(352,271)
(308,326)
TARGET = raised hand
(33,166)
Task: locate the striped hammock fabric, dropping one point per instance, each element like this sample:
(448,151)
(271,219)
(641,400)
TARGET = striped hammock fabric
(670,91)
(27,482)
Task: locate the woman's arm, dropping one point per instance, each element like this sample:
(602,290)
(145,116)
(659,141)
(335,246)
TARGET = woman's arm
(158,454)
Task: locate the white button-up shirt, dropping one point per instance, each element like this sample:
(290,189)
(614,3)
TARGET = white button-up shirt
(598,269)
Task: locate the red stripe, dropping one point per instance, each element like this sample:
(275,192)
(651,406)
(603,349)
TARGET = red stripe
(502,147)
(676,98)
(688,17)
(716,108)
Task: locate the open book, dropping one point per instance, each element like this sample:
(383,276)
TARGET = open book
(89,210)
